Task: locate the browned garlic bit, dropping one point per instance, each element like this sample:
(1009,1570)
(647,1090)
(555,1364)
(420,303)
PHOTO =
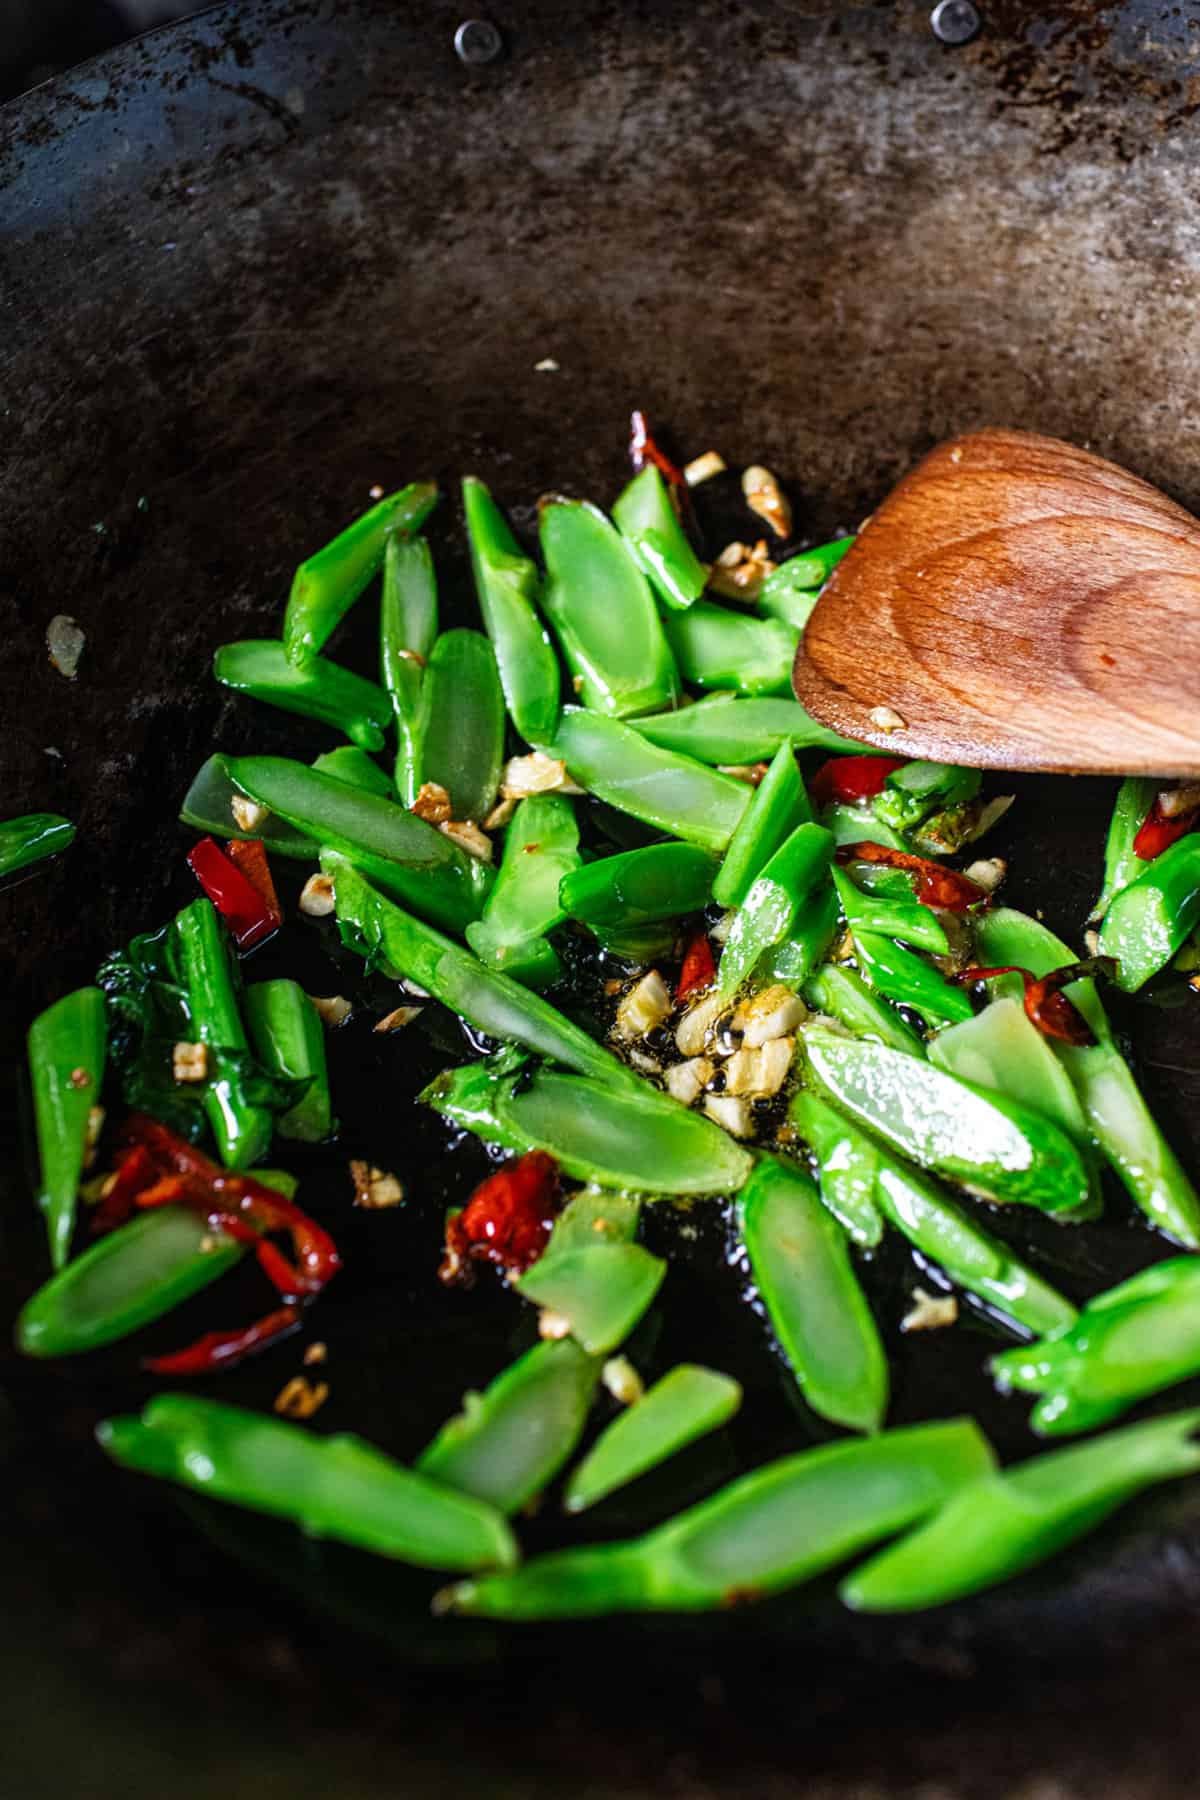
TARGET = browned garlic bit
(987,873)
(693,1030)
(645,1065)
(64,642)
(686,1081)
(374,1190)
(467,835)
(553,1325)
(931,1312)
(500,814)
(750,773)
(760,1073)
(432,803)
(731,1112)
(248,815)
(643,1008)
(739,573)
(316,1353)
(622,1380)
(331,1009)
(774,1012)
(397,1020)
(886,718)
(536,773)
(300,1399)
(189,1062)
(703,468)
(316,897)
(765,497)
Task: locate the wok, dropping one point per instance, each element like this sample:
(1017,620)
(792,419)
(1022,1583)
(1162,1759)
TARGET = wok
(252,265)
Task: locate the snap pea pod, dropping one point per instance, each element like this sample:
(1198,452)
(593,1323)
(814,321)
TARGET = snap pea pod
(768,913)
(1010,1520)
(404,854)
(650,526)
(207,807)
(461,740)
(723,729)
(353,766)
(241,1129)
(845,996)
(640,886)
(1116,1112)
(902,975)
(718,647)
(603,613)
(885,915)
(818,1311)
(67,1048)
(847,1166)
(638,944)
(1001,1048)
(317,689)
(408,622)
(807,569)
(859,825)
(594,1216)
(325,587)
(779,804)
(1127,1343)
(621,766)
(336,1487)
(768,1531)
(1148,921)
(31,837)
(792,605)
(812,931)
(509,1442)
(506,583)
(621,1139)
(686,1404)
(541,848)
(490,1001)
(1135,797)
(997,1147)
(124,1281)
(289,1039)
(601,1289)
(917,790)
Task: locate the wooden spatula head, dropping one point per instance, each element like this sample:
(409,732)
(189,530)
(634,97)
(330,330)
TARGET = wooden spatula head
(1019,604)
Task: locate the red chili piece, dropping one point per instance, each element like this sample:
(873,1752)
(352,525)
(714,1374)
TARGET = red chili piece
(507,1220)
(221,1349)
(935,885)
(1158,832)
(250,856)
(135,1171)
(234,895)
(643,449)
(1046,1006)
(699,969)
(852,778)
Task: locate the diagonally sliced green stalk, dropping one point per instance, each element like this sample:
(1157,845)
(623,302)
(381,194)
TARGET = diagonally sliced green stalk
(1116,1112)
(30,838)
(845,996)
(859,825)
(720,647)
(317,689)
(124,1281)
(770,909)
(289,1040)
(1148,921)
(408,621)
(603,612)
(847,1166)
(885,916)
(686,1404)
(811,932)
(616,1138)
(723,729)
(601,1289)
(509,1442)
(808,568)
(506,583)
(768,1531)
(67,1047)
(792,605)
(350,764)
(902,975)
(818,1311)
(951,1127)
(620,766)
(336,1487)
(241,1129)
(490,1001)
(404,854)
(650,526)
(1135,797)
(780,803)
(541,848)
(594,1216)
(1001,1048)
(207,807)
(461,739)
(915,791)
(1012,1520)
(325,587)
(639,886)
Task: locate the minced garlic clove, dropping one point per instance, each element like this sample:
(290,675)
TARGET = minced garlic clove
(316,897)
(331,1009)
(301,1398)
(432,803)
(774,1012)
(731,1112)
(622,1380)
(64,644)
(766,498)
(467,835)
(740,576)
(750,773)
(703,468)
(643,1008)
(692,1031)
(374,1189)
(189,1062)
(1175,800)
(762,1072)
(398,1019)
(686,1081)
(886,718)
(553,1325)
(536,773)
(248,815)
(315,1353)
(500,814)
(987,873)
(931,1312)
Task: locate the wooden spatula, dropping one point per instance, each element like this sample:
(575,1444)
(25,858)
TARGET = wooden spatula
(1018,604)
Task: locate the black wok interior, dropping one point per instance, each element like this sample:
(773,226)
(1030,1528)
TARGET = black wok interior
(252,265)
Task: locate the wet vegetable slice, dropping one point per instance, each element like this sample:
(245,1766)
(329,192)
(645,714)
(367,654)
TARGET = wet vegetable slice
(289,1040)
(767,915)
(719,647)
(619,765)
(650,526)
(208,807)
(686,1404)
(327,584)
(778,806)
(30,838)
(601,1290)
(408,620)
(541,849)
(723,730)
(240,1127)
(638,886)
(461,742)
(506,583)
(845,996)
(1148,921)
(317,689)
(67,1048)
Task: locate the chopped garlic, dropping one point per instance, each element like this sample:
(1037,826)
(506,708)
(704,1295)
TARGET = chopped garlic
(95,1125)
(987,873)
(622,1380)
(739,577)
(731,1112)
(397,1020)
(932,1312)
(432,803)
(760,1072)
(731,556)
(248,815)
(500,814)
(332,1010)
(374,1189)
(774,1012)
(1175,800)
(886,718)
(553,1324)
(64,643)
(643,1008)
(724,925)
(703,468)
(645,1065)
(686,1081)
(189,1062)
(691,1034)
(300,1399)
(536,773)
(750,773)
(1091,943)
(765,497)
(316,897)
(316,1353)
(467,835)
(547,366)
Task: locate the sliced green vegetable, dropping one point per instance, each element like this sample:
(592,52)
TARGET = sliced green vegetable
(207,807)
(686,1404)
(461,745)
(67,1046)
(506,583)
(31,837)
(859,825)
(650,526)
(289,1039)
(408,621)
(325,587)
(1135,797)
(767,915)
(350,764)
(791,605)
(1148,921)
(847,1166)
(639,886)
(811,933)
(724,730)
(807,569)
(904,976)
(240,1127)
(317,689)
(845,996)
(779,804)
(541,849)
(915,791)
(1001,1048)
(620,766)
(885,915)
(601,1289)
(719,647)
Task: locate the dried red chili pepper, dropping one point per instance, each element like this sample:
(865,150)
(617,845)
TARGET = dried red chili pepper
(935,885)
(851,779)
(250,856)
(699,968)
(507,1220)
(644,449)
(221,1349)
(1046,1006)
(249,917)
(1158,832)
(135,1170)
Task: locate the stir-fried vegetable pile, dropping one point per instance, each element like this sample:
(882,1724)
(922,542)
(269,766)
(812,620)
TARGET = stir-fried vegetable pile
(806,1010)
